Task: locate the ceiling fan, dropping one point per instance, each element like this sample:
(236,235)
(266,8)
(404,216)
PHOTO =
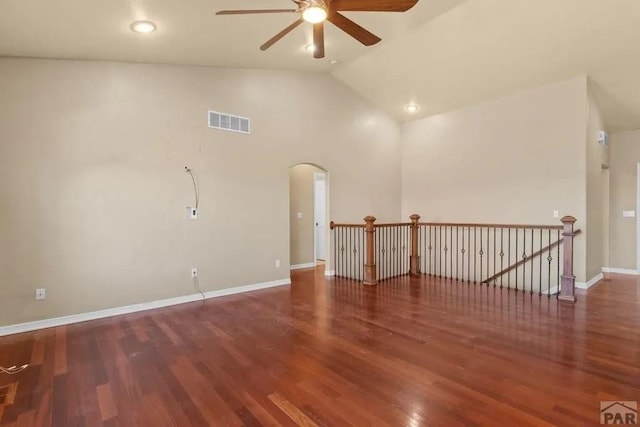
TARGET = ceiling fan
(317,11)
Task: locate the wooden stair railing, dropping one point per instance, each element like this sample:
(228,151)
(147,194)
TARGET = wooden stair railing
(371,252)
(529,258)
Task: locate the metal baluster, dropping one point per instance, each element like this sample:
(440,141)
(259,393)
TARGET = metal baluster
(451,252)
(387,247)
(462,251)
(540,265)
(509,259)
(549,260)
(488,254)
(380,252)
(469,256)
(558,260)
(475,253)
(445,252)
(494,257)
(439,251)
(501,256)
(524,259)
(360,252)
(457,250)
(394,251)
(341,251)
(350,253)
(383,253)
(423,252)
(407,250)
(532,262)
(481,253)
(516,257)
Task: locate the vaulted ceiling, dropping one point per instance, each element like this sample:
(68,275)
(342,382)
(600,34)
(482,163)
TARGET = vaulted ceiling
(442,54)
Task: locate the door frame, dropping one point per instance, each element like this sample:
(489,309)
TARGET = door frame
(320,176)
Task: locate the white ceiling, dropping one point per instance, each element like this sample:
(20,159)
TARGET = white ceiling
(442,54)
(485,49)
(188,32)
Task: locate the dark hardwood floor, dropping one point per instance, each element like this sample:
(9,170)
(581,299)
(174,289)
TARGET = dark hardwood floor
(417,352)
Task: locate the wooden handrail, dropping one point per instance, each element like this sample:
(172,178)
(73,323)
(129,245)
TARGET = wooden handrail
(370,277)
(393,224)
(530,257)
(518,226)
(333,225)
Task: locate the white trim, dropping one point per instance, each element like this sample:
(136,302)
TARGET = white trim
(329,273)
(116,311)
(301,266)
(620,271)
(590,283)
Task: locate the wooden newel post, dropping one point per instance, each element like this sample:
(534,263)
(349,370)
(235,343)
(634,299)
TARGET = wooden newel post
(414,261)
(568,283)
(370,273)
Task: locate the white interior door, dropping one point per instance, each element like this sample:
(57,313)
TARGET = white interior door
(319,214)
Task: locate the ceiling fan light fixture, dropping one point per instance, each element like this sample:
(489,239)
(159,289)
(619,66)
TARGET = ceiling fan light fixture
(143,27)
(315,13)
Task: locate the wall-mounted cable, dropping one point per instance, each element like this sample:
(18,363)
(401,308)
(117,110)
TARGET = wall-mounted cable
(196,284)
(13,370)
(196,191)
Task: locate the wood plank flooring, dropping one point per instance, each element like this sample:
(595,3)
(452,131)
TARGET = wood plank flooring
(410,352)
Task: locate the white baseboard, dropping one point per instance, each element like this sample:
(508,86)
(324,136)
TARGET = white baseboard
(590,283)
(109,312)
(329,273)
(301,266)
(620,271)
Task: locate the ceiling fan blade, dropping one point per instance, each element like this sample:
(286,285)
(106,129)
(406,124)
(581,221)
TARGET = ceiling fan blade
(249,12)
(318,40)
(364,36)
(281,34)
(372,5)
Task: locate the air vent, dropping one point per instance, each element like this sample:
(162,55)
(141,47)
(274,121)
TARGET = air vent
(229,122)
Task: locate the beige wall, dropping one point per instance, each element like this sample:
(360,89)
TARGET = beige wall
(513,160)
(301,200)
(597,227)
(93,190)
(625,156)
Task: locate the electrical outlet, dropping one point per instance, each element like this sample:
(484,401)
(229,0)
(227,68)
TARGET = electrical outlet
(41,293)
(277,263)
(192,213)
(194,272)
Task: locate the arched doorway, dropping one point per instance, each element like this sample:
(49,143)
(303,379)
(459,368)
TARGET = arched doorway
(308,216)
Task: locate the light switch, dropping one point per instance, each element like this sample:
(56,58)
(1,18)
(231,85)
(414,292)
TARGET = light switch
(299,215)
(629,214)
(556,214)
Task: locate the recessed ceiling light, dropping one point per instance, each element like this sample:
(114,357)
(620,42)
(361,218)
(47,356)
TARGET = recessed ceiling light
(143,27)
(411,108)
(334,61)
(310,47)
